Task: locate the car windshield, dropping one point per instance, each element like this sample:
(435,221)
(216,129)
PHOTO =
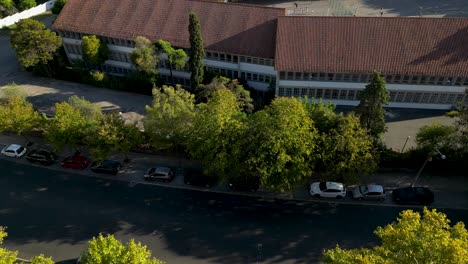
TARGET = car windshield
(363,189)
(20,149)
(323,186)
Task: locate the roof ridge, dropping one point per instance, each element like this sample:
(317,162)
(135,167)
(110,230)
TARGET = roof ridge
(239,4)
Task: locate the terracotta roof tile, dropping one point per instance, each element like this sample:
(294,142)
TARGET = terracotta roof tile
(231,28)
(403,45)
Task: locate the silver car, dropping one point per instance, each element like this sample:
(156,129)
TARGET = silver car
(369,192)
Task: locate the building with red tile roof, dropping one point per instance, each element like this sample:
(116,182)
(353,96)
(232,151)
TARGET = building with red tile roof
(424,60)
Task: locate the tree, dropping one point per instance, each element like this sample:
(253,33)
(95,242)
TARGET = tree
(145,58)
(279,145)
(344,147)
(203,92)
(41,259)
(91,112)
(217,125)
(169,120)
(95,52)
(370,109)
(411,239)
(177,57)
(107,249)
(58,6)
(33,43)
(112,135)
(436,135)
(196,52)
(25,4)
(18,115)
(68,127)
(7,7)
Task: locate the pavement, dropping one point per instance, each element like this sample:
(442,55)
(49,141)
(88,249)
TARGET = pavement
(451,192)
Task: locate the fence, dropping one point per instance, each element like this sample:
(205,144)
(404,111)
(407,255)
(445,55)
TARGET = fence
(10,20)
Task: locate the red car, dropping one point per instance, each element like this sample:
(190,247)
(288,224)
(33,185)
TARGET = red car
(76,162)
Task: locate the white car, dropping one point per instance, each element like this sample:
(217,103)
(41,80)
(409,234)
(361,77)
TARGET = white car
(369,192)
(14,150)
(327,190)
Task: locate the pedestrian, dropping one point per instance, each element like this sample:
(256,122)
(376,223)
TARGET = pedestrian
(295,4)
(381,11)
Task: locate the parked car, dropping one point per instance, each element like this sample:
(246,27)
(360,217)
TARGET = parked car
(14,150)
(413,195)
(42,156)
(76,162)
(369,192)
(198,178)
(244,183)
(164,174)
(327,189)
(106,166)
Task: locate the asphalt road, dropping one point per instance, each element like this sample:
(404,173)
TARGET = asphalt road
(56,213)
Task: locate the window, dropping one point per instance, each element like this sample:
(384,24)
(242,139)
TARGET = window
(305,76)
(209,55)
(255,77)
(249,76)
(442,98)
(242,59)
(248,60)
(343,94)
(417,98)
(297,76)
(288,91)
(290,75)
(228,58)
(261,78)
(282,75)
(406,79)
(335,94)
(346,77)
(330,76)
(409,97)
(235,59)
(414,79)
(400,97)
(433,99)
(243,75)
(254,61)
(459,98)
(432,80)
(388,78)
(319,93)
(314,76)
(311,93)
(321,76)
(425,98)
(440,81)
(351,94)
(327,94)
(392,96)
(222,57)
(423,80)
(296,92)
(304,92)
(261,61)
(267,78)
(355,78)
(451,99)
(397,78)
(449,81)
(459,81)
(281,91)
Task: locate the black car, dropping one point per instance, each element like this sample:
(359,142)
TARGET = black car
(244,183)
(413,195)
(198,178)
(106,166)
(41,156)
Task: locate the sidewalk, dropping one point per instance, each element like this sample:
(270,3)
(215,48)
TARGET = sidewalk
(450,192)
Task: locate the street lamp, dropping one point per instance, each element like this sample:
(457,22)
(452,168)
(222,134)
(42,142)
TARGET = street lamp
(404,145)
(435,151)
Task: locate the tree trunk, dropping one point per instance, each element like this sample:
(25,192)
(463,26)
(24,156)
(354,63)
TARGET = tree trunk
(172,77)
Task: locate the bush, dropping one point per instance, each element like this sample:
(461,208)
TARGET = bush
(58,6)
(25,4)
(95,78)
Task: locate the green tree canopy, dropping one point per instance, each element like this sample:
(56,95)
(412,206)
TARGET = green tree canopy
(107,249)
(95,52)
(177,57)
(203,92)
(280,144)
(91,112)
(25,4)
(145,58)
(437,135)
(169,120)
(41,259)
(68,127)
(58,6)
(344,147)
(33,43)
(196,52)
(217,125)
(370,109)
(12,90)
(18,115)
(411,239)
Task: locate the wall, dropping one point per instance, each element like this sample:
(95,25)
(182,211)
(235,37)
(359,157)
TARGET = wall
(10,20)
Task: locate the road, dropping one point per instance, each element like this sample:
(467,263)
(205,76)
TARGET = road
(57,213)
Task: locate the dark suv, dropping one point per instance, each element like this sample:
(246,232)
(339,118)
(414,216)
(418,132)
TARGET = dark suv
(41,156)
